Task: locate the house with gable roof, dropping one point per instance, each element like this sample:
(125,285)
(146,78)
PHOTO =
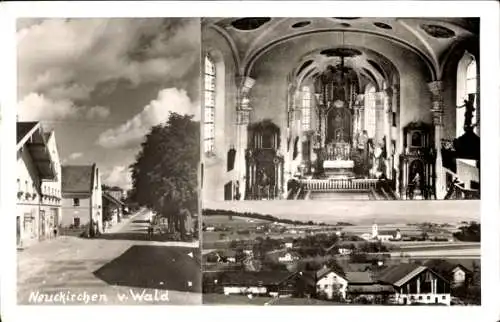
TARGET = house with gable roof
(416,284)
(81,196)
(330,281)
(38,182)
(457,273)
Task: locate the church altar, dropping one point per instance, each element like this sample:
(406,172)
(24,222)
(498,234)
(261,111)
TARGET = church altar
(337,162)
(341,164)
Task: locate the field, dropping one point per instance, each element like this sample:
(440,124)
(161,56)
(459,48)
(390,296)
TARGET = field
(442,251)
(422,249)
(212,239)
(236,221)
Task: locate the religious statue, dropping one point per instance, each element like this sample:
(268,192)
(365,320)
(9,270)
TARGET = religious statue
(264,184)
(469,112)
(264,179)
(416,180)
(362,140)
(237,194)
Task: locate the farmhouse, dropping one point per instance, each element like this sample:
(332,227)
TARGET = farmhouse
(416,284)
(362,285)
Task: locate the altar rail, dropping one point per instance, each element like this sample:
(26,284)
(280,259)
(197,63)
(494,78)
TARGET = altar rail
(339,184)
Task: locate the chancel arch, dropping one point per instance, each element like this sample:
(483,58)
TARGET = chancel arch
(344,102)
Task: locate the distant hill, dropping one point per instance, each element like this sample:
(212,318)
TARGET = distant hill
(220,212)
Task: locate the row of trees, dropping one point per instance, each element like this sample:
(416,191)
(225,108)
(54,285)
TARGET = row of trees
(253,215)
(165,172)
(470,232)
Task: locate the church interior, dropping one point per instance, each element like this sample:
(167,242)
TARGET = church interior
(340,108)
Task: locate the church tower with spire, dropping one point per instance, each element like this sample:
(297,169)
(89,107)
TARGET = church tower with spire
(374,231)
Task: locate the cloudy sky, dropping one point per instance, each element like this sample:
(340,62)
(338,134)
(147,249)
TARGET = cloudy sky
(101,84)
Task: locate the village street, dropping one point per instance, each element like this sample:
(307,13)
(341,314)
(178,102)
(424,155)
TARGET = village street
(120,267)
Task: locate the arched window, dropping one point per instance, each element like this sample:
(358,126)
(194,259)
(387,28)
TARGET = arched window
(466,84)
(209,107)
(370,112)
(306,108)
(471,85)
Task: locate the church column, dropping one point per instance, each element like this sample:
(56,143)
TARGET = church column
(290,132)
(357,117)
(397,137)
(388,130)
(437,117)
(361,103)
(321,126)
(242,120)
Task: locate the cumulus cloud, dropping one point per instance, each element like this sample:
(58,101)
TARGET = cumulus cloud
(75,155)
(132,132)
(118,176)
(98,112)
(67,58)
(36,107)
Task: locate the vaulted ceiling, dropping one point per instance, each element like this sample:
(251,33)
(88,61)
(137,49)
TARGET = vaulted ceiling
(377,45)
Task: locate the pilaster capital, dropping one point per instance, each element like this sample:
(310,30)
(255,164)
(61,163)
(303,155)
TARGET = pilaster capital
(360,99)
(242,117)
(436,88)
(388,92)
(245,84)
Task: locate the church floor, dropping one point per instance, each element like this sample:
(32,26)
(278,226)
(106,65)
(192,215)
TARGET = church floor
(317,195)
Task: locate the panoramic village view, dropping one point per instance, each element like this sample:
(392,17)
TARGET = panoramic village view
(107,161)
(260,259)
